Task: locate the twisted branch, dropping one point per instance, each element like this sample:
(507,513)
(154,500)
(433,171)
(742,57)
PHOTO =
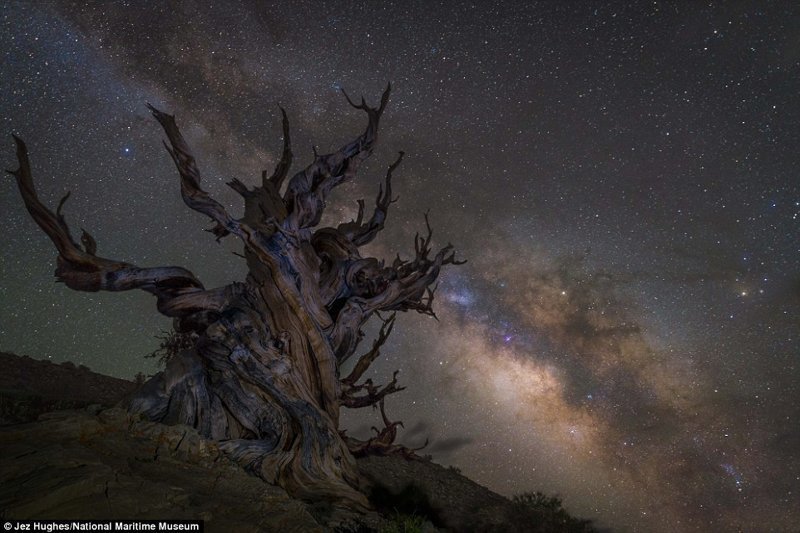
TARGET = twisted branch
(193,195)
(81,269)
(308,189)
(368,358)
(361,234)
(282,168)
(383,441)
(374,394)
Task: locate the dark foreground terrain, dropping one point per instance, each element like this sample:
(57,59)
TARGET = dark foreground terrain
(67,452)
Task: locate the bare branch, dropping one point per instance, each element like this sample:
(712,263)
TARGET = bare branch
(282,168)
(372,287)
(81,269)
(374,394)
(363,105)
(239,187)
(194,196)
(52,224)
(368,358)
(424,305)
(89,244)
(361,234)
(411,288)
(383,441)
(308,189)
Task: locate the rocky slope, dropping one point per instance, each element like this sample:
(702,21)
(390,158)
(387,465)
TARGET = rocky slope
(66,452)
(30,387)
(103,464)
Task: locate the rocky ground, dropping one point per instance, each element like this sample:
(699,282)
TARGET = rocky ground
(103,464)
(66,452)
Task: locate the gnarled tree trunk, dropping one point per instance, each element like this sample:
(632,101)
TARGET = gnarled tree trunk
(263,376)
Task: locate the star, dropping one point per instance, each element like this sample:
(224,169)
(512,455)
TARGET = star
(615,177)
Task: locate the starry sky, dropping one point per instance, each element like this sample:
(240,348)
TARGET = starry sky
(621,178)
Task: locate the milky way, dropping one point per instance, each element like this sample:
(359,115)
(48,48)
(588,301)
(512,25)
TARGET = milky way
(622,180)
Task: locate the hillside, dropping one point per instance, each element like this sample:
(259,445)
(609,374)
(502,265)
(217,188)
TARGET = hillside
(68,453)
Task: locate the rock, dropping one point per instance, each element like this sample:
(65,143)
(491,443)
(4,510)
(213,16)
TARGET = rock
(108,464)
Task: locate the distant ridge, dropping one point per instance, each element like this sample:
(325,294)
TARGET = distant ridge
(30,387)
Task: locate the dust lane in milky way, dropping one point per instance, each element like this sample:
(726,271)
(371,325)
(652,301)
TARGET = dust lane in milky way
(622,180)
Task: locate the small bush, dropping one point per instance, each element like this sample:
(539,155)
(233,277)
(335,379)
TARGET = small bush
(412,501)
(404,523)
(548,513)
(172,343)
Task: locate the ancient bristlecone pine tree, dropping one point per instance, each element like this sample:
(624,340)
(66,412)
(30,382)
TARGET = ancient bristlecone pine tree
(263,376)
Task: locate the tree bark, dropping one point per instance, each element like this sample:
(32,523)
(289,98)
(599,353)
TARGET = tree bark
(263,376)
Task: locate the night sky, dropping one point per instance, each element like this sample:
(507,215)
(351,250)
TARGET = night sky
(622,180)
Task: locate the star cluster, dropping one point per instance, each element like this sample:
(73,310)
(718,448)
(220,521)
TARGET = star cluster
(622,179)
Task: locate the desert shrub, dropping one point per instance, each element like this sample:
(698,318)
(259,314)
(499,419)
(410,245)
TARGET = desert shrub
(539,501)
(412,501)
(404,523)
(172,343)
(547,513)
